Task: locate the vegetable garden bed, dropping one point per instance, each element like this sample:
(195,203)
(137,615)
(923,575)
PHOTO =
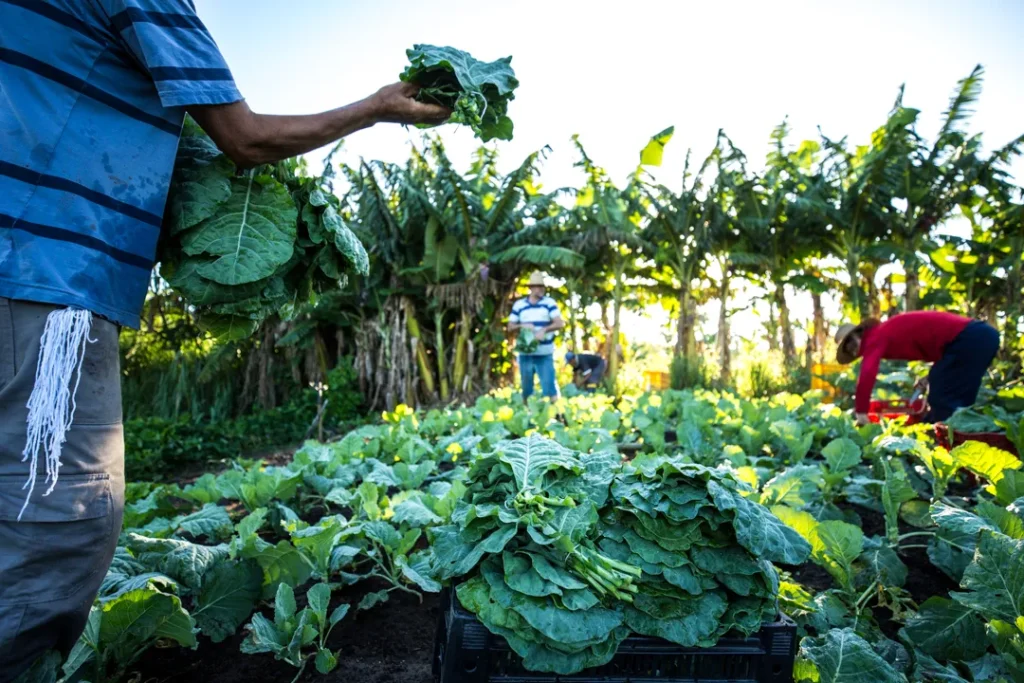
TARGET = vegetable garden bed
(326,565)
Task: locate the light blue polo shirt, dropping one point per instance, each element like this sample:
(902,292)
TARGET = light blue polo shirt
(92,98)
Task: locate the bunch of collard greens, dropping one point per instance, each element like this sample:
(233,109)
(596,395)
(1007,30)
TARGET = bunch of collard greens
(526,341)
(241,246)
(477,92)
(704,548)
(565,554)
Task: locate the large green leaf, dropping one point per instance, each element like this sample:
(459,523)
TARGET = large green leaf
(211,521)
(479,92)
(995,579)
(947,631)
(137,618)
(984,460)
(201,180)
(758,530)
(841,454)
(183,561)
(228,596)
(534,456)
(841,656)
(251,235)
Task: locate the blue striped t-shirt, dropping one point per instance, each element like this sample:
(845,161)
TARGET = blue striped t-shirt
(92,98)
(539,314)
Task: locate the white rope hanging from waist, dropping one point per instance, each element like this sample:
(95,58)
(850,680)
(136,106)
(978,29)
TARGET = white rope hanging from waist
(51,406)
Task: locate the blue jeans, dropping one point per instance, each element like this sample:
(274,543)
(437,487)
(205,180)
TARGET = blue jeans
(544,368)
(955,379)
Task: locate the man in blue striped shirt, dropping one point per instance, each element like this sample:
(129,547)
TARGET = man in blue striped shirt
(92,99)
(539,313)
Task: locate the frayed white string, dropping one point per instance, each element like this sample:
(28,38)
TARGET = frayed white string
(51,406)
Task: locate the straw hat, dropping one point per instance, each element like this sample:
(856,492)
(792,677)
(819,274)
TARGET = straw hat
(844,331)
(537,279)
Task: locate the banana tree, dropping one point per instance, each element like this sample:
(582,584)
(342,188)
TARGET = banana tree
(781,216)
(861,184)
(931,182)
(607,232)
(687,228)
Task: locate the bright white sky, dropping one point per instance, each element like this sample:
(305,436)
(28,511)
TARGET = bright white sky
(618,72)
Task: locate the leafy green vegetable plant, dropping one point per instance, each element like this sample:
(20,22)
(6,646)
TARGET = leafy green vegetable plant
(477,92)
(289,636)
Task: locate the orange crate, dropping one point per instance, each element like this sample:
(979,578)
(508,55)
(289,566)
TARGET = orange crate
(655,380)
(820,384)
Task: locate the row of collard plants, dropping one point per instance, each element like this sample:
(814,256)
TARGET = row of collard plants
(562,547)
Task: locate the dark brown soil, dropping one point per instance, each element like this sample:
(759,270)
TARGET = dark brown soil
(391,643)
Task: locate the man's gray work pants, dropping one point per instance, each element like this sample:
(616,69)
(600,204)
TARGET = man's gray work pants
(53,560)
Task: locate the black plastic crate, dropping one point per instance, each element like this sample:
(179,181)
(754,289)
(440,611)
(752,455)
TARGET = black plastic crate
(466,652)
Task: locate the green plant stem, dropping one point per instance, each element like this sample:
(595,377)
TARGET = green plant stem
(913,547)
(867,593)
(915,533)
(302,668)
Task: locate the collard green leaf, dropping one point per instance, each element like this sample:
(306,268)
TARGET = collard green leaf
(201,180)
(345,241)
(841,454)
(326,661)
(228,596)
(251,235)
(758,530)
(947,631)
(371,600)
(995,579)
(183,561)
(211,521)
(984,460)
(479,92)
(139,617)
(796,486)
(842,656)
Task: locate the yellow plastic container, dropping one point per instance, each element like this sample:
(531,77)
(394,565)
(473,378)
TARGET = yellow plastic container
(655,380)
(818,383)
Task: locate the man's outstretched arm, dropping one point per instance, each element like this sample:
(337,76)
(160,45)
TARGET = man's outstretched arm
(250,139)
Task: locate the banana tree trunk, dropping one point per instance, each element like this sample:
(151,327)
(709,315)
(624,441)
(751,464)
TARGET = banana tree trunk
(788,345)
(573,329)
(686,340)
(459,372)
(419,349)
(439,351)
(873,303)
(1014,299)
(912,297)
(613,345)
(819,326)
(771,326)
(724,351)
(856,300)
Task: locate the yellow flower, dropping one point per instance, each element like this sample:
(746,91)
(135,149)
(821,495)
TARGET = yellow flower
(655,401)
(454,448)
(506,413)
(530,432)
(488,417)
(455,458)
(398,459)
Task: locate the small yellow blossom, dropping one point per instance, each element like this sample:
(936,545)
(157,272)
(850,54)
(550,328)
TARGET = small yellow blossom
(398,459)
(454,448)
(488,417)
(505,413)
(655,401)
(455,458)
